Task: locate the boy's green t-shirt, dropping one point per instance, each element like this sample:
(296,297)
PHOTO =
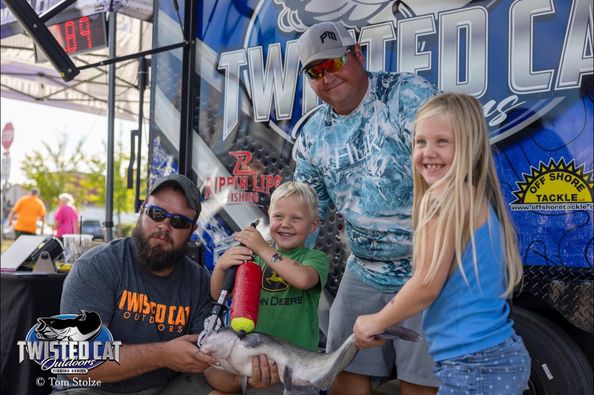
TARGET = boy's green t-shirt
(288,312)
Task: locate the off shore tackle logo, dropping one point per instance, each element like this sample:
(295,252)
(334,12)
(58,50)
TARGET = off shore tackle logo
(245,185)
(69,343)
(556,186)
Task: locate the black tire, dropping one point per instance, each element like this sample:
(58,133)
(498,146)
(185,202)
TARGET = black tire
(558,364)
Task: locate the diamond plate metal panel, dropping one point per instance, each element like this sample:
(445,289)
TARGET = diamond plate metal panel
(568,290)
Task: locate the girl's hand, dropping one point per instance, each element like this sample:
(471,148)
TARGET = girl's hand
(251,238)
(365,329)
(234,256)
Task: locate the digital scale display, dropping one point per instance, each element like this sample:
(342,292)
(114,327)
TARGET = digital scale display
(78,35)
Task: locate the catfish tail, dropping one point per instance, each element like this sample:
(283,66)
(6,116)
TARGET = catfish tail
(399,332)
(341,359)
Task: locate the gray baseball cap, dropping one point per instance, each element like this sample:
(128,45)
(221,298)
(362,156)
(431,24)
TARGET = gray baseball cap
(185,184)
(324,40)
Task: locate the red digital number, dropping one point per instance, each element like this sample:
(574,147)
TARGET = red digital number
(84,29)
(70,37)
(77,35)
(57,33)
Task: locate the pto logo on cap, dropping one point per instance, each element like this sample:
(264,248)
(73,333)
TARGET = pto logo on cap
(69,343)
(329,35)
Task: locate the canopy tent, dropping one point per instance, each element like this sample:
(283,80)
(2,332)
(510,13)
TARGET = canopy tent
(21,78)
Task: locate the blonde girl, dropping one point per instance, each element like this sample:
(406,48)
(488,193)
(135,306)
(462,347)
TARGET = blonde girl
(465,256)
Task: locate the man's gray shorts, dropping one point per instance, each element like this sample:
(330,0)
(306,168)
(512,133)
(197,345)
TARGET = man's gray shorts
(184,383)
(413,362)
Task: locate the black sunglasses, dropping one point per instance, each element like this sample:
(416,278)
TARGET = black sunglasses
(159,214)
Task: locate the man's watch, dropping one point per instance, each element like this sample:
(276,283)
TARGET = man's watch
(276,257)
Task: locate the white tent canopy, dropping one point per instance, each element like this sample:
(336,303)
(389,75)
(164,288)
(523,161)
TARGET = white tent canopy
(23,79)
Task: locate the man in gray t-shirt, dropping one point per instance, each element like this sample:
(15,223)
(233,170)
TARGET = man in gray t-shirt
(151,297)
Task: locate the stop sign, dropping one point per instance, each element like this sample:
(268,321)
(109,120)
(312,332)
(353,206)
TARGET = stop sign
(7,135)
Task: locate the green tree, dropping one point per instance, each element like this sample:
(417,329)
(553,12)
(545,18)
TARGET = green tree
(56,169)
(95,180)
(123,198)
(53,169)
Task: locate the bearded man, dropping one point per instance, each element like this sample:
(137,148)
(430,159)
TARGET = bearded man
(150,296)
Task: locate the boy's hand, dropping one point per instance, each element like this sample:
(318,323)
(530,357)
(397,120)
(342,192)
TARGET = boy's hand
(234,256)
(250,237)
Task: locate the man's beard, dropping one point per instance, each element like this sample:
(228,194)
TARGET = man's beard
(156,259)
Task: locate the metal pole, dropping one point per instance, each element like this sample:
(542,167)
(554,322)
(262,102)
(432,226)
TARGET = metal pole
(122,58)
(142,81)
(2,207)
(110,129)
(3,199)
(188,75)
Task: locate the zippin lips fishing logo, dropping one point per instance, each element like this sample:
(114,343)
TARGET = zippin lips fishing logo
(69,343)
(245,185)
(556,186)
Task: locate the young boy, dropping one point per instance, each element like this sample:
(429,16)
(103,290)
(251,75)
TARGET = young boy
(292,276)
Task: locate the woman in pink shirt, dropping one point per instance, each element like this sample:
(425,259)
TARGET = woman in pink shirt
(66,219)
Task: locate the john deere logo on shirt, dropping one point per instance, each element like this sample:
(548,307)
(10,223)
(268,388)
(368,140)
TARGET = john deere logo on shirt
(272,282)
(69,343)
(556,186)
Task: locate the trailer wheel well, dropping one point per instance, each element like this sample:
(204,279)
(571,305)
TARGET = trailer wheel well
(584,339)
(558,364)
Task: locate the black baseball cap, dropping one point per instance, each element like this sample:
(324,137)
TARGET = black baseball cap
(185,184)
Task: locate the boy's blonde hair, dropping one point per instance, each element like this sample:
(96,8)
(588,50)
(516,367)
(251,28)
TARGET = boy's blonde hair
(470,182)
(302,191)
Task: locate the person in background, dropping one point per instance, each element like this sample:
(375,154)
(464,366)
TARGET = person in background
(355,151)
(159,352)
(465,255)
(298,274)
(66,218)
(28,210)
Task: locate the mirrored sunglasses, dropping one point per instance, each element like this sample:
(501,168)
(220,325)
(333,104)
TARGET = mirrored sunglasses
(327,66)
(159,214)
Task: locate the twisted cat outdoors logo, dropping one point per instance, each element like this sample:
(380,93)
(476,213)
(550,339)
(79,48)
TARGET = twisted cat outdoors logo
(69,343)
(556,186)
(534,58)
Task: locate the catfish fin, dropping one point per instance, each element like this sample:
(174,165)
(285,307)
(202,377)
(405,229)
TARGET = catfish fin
(288,379)
(251,340)
(400,333)
(244,384)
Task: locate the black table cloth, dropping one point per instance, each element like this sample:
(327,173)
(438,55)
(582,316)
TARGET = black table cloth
(24,298)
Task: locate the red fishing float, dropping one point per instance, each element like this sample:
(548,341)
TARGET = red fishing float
(246,298)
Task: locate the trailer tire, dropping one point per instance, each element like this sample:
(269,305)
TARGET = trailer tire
(558,364)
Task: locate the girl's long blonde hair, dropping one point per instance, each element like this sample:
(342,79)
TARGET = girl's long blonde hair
(459,203)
